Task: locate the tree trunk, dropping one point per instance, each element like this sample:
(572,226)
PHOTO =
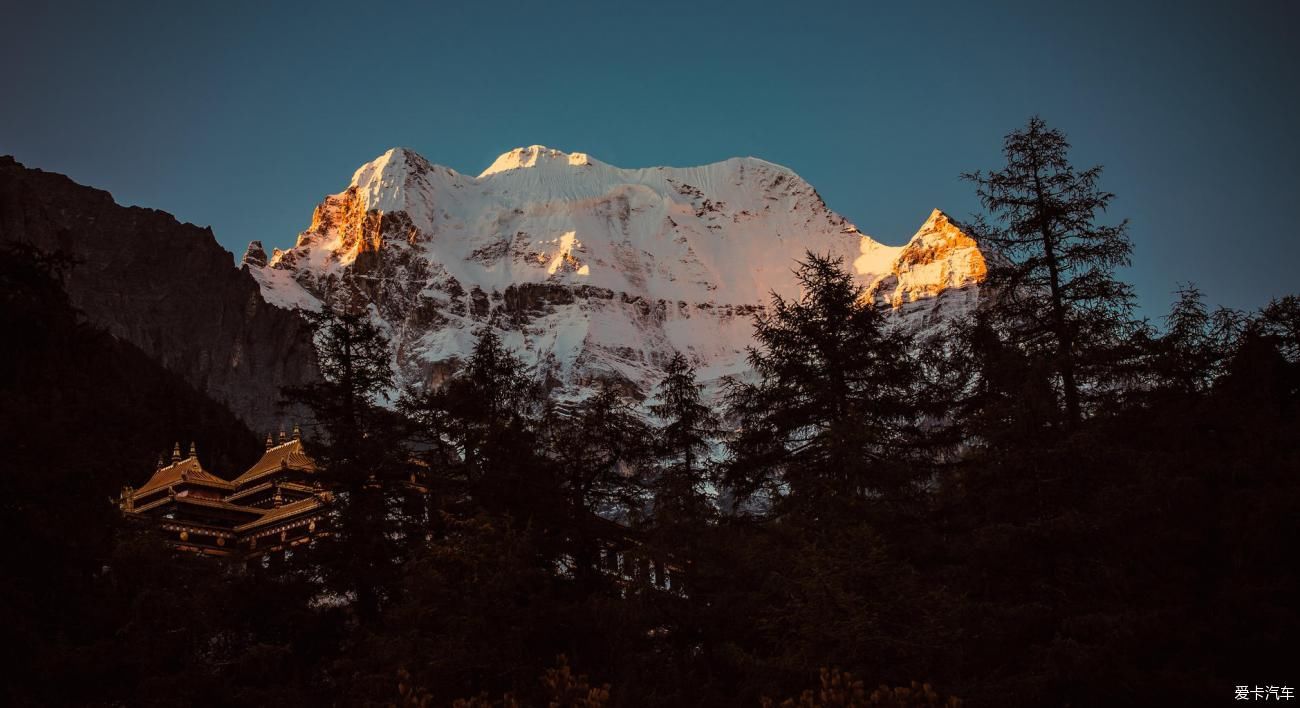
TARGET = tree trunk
(1064,339)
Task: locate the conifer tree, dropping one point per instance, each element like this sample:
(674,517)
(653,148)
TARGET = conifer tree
(493,401)
(1261,372)
(597,449)
(1186,358)
(480,428)
(834,415)
(1279,322)
(1056,295)
(682,442)
(991,394)
(356,450)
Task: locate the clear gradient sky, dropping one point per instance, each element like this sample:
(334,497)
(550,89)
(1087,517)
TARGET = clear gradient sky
(243,116)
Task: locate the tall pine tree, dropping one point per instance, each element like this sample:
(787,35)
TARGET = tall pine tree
(479,432)
(834,416)
(357,452)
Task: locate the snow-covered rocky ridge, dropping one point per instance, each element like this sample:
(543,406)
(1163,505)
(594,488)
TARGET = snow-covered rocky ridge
(590,271)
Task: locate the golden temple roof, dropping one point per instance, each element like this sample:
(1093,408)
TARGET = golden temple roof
(282,512)
(184,471)
(286,455)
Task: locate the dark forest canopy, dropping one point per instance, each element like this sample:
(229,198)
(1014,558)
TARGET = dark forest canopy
(1048,503)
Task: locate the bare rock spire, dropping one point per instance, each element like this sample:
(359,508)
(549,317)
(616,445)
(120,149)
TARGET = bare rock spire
(255,255)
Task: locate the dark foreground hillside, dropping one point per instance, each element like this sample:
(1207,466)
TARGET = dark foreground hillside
(1142,558)
(82,413)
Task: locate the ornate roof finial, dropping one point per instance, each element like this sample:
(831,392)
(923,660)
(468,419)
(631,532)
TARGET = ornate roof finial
(176,452)
(283,437)
(160,464)
(297,434)
(194,451)
(269,442)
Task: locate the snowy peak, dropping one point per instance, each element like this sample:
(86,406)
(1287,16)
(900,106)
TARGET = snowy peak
(396,164)
(382,183)
(940,240)
(590,271)
(533,156)
(939,257)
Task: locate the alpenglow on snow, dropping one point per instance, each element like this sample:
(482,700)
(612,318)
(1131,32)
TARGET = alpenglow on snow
(590,271)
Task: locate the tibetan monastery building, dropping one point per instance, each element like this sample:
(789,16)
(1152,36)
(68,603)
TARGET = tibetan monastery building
(275,504)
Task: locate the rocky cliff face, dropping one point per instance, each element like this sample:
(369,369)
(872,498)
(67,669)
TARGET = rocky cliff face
(590,271)
(166,287)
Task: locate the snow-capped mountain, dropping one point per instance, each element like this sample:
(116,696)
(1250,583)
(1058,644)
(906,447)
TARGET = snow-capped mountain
(590,271)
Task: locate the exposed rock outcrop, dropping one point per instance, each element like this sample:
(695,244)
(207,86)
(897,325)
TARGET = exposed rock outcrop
(166,287)
(254,255)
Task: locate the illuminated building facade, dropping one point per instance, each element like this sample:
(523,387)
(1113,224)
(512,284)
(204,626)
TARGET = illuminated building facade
(275,504)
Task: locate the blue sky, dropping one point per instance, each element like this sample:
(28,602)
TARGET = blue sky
(243,116)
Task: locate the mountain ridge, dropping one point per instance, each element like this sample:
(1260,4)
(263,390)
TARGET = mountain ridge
(165,286)
(591,271)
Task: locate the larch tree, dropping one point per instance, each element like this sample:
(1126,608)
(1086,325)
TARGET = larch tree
(1189,354)
(1056,296)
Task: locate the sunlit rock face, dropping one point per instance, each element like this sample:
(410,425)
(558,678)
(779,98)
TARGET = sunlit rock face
(590,271)
(166,287)
(931,278)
